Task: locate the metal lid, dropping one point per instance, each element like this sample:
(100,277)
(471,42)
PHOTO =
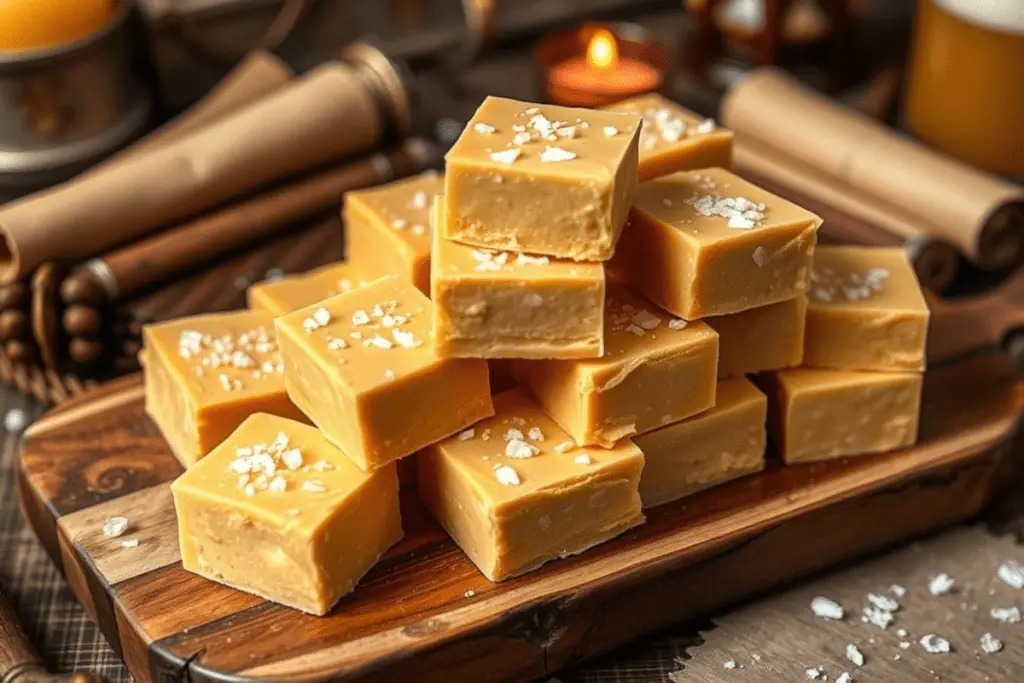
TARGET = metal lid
(388,80)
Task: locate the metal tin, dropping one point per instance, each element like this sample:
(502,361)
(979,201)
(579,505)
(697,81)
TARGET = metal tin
(66,107)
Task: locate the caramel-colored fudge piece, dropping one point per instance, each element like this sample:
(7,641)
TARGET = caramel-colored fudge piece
(362,366)
(723,443)
(822,414)
(499,304)
(866,311)
(673,138)
(542,179)
(766,338)
(292,292)
(205,374)
(279,511)
(703,243)
(388,227)
(514,492)
(655,370)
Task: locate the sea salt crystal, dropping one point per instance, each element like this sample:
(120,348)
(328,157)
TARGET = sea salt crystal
(1012,574)
(527,260)
(990,644)
(507,476)
(646,320)
(731,664)
(760,257)
(556,154)
(314,486)
(322,316)
(897,590)
(814,674)
(706,126)
(115,526)
(399,223)
(536,434)
(134,543)
(740,222)
(533,300)
(879,617)
(941,584)
(484,128)
(676,324)
(406,340)
(565,447)
(292,458)
(506,156)
(610,131)
(844,678)
(466,435)
(519,449)
(360,317)
(378,341)
(582,459)
(1007,615)
(883,602)
(826,608)
(419,200)
(854,655)
(934,644)
(277,484)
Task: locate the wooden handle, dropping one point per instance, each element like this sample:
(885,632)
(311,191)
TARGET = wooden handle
(19,663)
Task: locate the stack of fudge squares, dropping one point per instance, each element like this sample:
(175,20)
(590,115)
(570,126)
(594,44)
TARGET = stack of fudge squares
(568,327)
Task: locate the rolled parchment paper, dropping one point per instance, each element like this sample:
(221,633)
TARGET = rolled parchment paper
(981,215)
(257,75)
(935,261)
(326,114)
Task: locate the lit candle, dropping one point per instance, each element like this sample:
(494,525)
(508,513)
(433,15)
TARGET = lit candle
(601,76)
(36,24)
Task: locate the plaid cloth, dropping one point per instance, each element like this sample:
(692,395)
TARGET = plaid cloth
(54,621)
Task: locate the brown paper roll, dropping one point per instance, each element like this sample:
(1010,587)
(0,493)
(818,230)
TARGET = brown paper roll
(325,115)
(983,216)
(256,76)
(935,261)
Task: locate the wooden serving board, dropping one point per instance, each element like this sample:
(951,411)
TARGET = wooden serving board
(425,614)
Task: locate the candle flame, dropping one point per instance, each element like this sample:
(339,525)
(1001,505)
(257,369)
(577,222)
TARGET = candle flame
(602,51)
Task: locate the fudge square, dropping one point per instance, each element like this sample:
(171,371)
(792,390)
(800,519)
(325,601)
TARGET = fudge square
(866,311)
(279,511)
(498,304)
(823,414)
(362,366)
(655,370)
(723,443)
(674,138)
(514,492)
(703,243)
(205,374)
(292,292)
(387,228)
(542,179)
(765,338)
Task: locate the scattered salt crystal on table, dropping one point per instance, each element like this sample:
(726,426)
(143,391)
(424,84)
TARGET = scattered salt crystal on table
(883,602)
(130,543)
(15,420)
(115,526)
(898,590)
(844,678)
(814,674)
(731,664)
(934,644)
(941,584)
(854,655)
(826,609)
(1007,615)
(990,644)
(1012,574)
(879,617)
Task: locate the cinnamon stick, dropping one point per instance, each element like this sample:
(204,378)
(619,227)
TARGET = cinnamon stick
(979,214)
(126,270)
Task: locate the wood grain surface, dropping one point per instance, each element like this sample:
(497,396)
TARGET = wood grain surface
(425,613)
